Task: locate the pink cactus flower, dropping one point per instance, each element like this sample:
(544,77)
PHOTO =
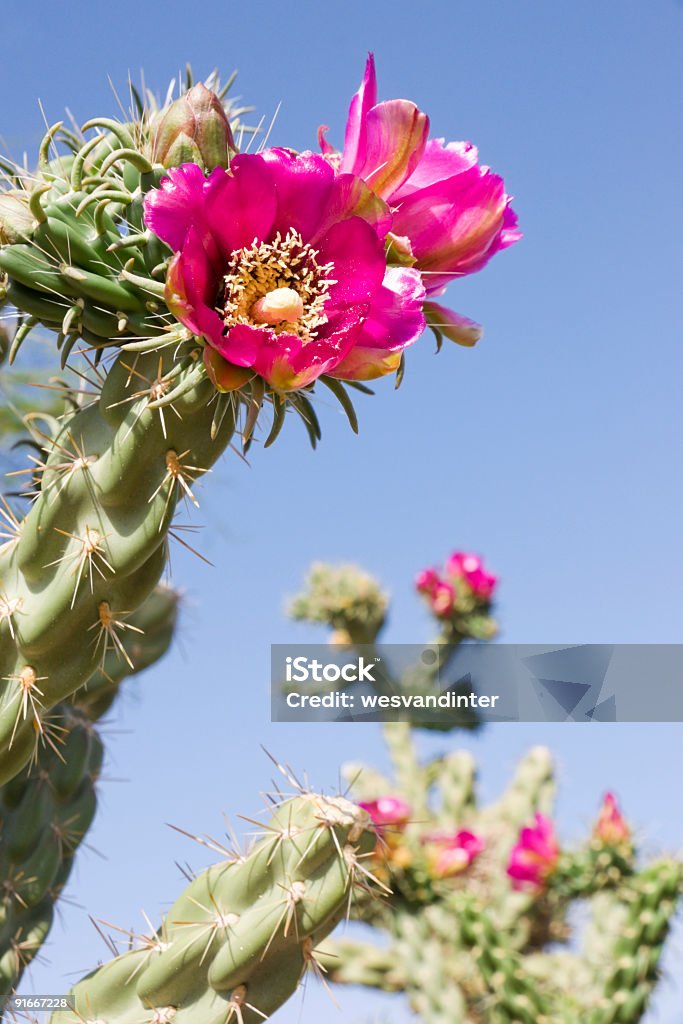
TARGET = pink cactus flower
(471,568)
(439,592)
(427,581)
(451,214)
(388,812)
(450,854)
(611,828)
(535,855)
(280,266)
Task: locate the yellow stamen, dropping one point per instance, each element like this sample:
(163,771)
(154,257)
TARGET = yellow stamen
(278,285)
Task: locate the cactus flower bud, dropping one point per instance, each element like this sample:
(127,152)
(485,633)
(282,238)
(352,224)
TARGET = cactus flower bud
(387,812)
(16,219)
(449,854)
(194,129)
(611,828)
(534,856)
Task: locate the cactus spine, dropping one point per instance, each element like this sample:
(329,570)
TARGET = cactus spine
(45,814)
(235,944)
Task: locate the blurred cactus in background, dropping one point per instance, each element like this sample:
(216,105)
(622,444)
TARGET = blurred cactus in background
(477,921)
(479,916)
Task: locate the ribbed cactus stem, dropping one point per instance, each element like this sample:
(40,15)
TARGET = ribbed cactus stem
(93,545)
(235,944)
(45,813)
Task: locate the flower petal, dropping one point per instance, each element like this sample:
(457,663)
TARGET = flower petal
(365,98)
(191,289)
(357,254)
(178,204)
(452,325)
(395,320)
(351,197)
(222,374)
(395,138)
(438,161)
(454,225)
(303,183)
(241,204)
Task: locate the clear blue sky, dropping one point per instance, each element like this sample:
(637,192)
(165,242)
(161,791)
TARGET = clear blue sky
(553,448)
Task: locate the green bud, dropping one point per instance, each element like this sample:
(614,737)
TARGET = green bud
(194,129)
(16,219)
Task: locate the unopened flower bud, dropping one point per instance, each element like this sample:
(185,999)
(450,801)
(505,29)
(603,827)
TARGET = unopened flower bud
(194,129)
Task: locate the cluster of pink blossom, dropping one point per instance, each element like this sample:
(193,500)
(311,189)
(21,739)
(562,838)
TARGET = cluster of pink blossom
(532,860)
(294,265)
(463,576)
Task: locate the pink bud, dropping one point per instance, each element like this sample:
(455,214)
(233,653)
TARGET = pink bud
(389,811)
(449,854)
(470,568)
(611,828)
(535,855)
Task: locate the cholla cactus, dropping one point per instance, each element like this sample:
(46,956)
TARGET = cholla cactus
(480,900)
(237,941)
(354,606)
(218,286)
(345,598)
(45,814)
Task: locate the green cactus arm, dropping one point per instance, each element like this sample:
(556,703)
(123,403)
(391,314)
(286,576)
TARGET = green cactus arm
(359,963)
(93,545)
(45,814)
(650,900)
(237,941)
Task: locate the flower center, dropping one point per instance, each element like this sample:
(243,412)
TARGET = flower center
(277,285)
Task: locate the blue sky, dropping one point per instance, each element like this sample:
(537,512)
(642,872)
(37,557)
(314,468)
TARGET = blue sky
(551,448)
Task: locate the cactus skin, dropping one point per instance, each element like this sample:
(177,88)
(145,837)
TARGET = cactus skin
(471,949)
(45,814)
(94,538)
(236,942)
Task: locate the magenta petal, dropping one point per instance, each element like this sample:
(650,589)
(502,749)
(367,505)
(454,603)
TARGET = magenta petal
(303,183)
(241,204)
(395,138)
(510,232)
(365,98)
(359,262)
(394,321)
(325,147)
(452,325)
(439,161)
(178,203)
(351,197)
(191,289)
(454,224)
